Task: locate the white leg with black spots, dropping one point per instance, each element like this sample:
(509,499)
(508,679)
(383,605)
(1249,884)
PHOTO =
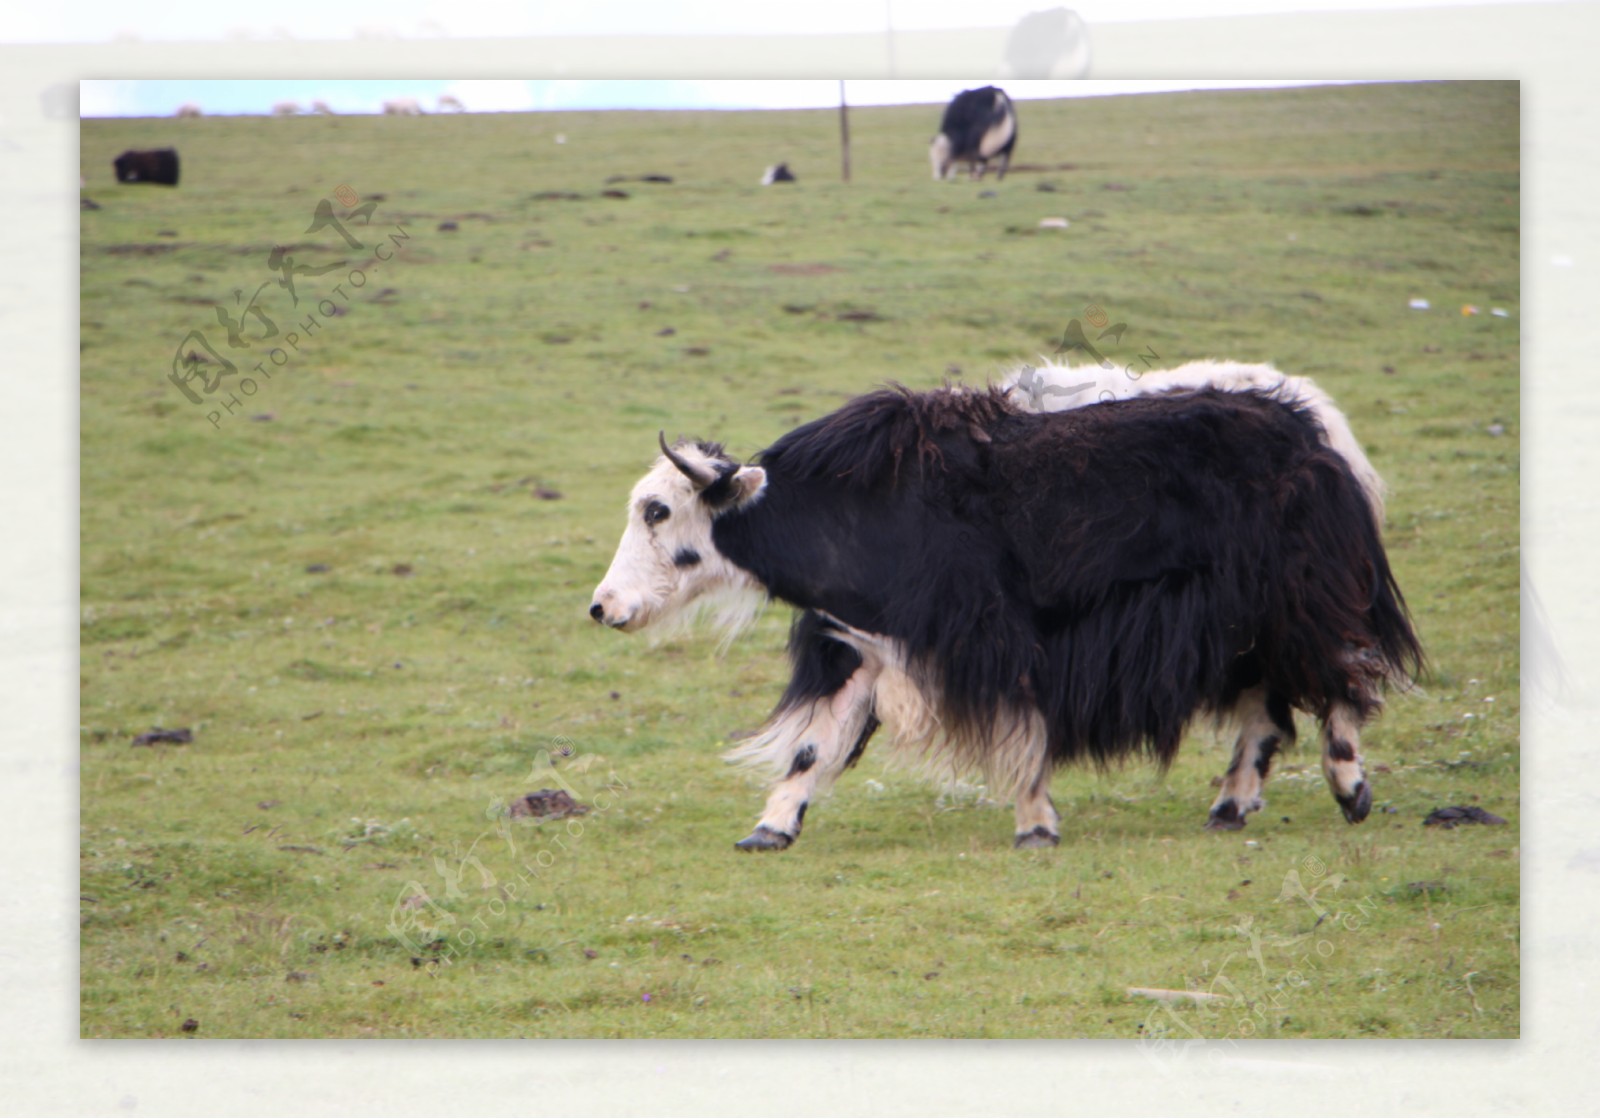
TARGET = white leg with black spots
(1341,762)
(820,740)
(1260,737)
(1038,822)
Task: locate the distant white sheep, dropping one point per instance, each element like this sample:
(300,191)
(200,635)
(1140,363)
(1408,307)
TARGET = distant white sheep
(323,108)
(286,109)
(451,104)
(402,107)
(188,110)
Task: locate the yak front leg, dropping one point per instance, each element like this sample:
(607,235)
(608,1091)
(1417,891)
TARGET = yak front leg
(821,739)
(819,728)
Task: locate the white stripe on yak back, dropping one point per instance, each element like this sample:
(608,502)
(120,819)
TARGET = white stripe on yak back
(1049,387)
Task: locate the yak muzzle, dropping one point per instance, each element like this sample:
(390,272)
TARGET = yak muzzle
(611,609)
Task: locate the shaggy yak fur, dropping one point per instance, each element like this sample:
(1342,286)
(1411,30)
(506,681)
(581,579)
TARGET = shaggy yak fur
(1050,588)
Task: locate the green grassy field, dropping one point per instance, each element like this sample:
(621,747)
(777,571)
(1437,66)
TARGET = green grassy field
(352,590)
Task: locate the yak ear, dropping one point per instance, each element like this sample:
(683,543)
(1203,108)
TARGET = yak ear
(749,482)
(735,487)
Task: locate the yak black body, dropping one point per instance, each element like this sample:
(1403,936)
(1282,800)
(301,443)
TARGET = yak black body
(159,166)
(973,117)
(1118,568)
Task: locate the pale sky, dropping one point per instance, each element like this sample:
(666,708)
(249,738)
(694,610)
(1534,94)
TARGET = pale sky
(225,98)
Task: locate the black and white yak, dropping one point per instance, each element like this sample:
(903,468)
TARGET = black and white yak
(979,125)
(159,166)
(1011,582)
(777,173)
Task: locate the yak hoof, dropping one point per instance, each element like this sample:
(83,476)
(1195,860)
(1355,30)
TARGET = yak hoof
(764,839)
(1040,836)
(1356,806)
(1225,817)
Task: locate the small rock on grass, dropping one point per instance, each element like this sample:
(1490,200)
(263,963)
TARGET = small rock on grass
(178,735)
(547,804)
(1166,994)
(1456,815)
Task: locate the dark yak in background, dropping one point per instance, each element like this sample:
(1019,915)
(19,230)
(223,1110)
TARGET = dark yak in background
(159,166)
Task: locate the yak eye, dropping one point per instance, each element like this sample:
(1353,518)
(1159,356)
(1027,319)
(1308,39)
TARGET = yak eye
(655,513)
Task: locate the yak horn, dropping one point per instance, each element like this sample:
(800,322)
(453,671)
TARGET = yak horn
(700,479)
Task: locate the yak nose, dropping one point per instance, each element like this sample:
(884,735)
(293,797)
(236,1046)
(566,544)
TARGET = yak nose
(597,612)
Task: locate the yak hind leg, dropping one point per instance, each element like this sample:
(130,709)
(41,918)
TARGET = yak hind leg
(1265,724)
(821,738)
(1038,822)
(1341,762)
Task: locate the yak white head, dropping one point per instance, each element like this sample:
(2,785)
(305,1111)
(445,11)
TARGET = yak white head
(666,560)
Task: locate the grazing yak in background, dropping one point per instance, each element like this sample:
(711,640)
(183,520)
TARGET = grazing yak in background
(159,166)
(1012,587)
(979,125)
(777,173)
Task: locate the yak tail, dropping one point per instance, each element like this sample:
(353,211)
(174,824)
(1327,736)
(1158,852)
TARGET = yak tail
(1349,629)
(1397,641)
